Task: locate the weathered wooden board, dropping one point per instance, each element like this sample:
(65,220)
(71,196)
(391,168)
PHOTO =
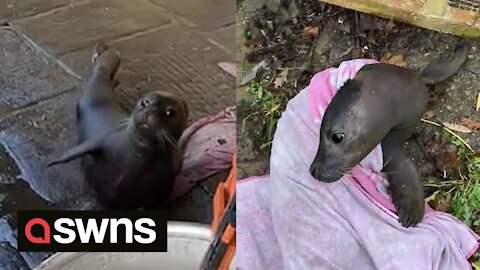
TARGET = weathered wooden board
(431,14)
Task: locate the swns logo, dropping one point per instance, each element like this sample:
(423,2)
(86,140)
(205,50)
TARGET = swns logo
(92,231)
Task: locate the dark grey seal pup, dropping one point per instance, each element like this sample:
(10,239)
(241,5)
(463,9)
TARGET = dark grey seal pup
(130,160)
(382,104)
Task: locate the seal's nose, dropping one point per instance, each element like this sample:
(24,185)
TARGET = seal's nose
(146,101)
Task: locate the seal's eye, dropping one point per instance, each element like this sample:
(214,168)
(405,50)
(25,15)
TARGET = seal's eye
(170,112)
(337,137)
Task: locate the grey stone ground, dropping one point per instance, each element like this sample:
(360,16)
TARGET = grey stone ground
(45,53)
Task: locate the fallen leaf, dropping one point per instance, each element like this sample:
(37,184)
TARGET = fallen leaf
(386,57)
(478,102)
(447,158)
(280,79)
(310,32)
(230,68)
(432,145)
(429,114)
(394,60)
(254,42)
(444,203)
(471,124)
(253,73)
(457,127)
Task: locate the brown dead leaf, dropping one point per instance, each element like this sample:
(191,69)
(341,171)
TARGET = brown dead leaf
(457,127)
(310,32)
(394,60)
(429,114)
(280,79)
(447,159)
(432,145)
(471,124)
(385,57)
(254,42)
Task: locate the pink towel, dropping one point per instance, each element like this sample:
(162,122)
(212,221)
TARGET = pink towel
(208,145)
(288,220)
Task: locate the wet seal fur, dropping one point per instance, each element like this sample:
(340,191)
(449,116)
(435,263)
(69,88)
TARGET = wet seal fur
(130,160)
(382,104)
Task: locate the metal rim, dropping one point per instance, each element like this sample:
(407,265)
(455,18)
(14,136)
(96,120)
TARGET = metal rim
(175,229)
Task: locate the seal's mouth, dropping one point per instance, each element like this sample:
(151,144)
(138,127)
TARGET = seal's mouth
(325,176)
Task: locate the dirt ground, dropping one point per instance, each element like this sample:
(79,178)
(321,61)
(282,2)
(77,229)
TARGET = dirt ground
(291,42)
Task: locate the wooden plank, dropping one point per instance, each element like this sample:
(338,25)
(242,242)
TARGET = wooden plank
(436,7)
(432,16)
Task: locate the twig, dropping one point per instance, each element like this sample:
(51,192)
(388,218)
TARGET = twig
(449,131)
(444,184)
(354,34)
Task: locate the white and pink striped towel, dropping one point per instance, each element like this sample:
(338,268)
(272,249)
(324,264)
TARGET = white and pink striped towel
(288,220)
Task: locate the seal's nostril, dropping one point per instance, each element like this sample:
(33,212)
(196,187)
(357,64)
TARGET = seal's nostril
(312,171)
(144,103)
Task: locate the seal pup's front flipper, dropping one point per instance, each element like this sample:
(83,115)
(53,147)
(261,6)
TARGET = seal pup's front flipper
(77,152)
(446,65)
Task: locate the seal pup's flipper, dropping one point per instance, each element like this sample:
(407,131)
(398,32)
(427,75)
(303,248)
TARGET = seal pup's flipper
(405,185)
(446,65)
(77,152)
(105,60)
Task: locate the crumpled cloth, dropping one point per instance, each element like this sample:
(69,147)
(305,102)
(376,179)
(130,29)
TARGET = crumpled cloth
(208,145)
(288,220)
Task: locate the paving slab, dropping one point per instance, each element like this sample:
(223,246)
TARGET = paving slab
(13,9)
(176,60)
(36,136)
(24,76)
(82,25)
(205,14)
(9,171)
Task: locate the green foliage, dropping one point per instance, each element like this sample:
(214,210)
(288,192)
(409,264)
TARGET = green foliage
(465,203)
(466,197)
(270,107)
(476,265)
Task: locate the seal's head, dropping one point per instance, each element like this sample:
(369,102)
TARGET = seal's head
(347,134)
(158,113)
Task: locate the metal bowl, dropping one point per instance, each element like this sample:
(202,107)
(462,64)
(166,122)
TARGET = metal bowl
(187,243)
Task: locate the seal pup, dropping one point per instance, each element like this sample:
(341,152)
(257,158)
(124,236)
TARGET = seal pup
(382,104)
(130,160)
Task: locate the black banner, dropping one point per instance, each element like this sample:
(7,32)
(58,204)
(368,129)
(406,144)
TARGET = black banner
(107,231)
